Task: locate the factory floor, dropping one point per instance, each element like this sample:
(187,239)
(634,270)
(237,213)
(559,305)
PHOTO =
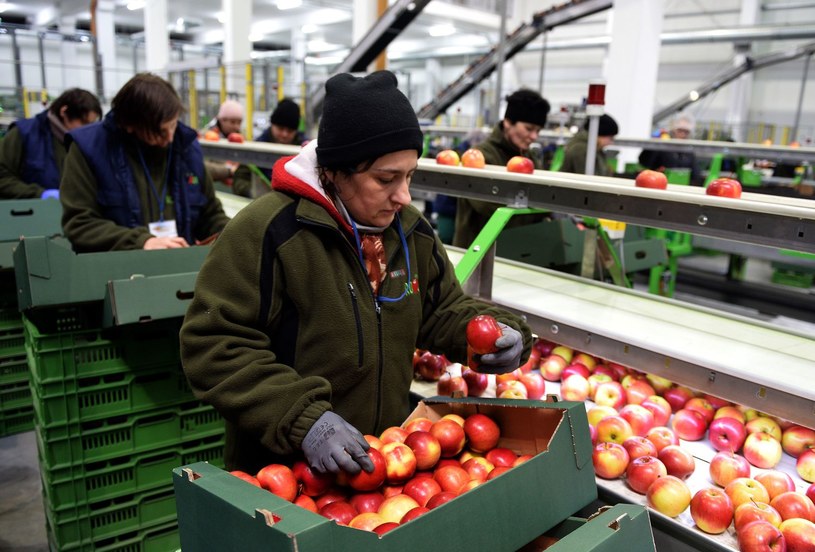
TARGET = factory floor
(22,517)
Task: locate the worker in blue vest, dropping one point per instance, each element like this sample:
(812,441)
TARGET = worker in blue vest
(136,180)
(33,152)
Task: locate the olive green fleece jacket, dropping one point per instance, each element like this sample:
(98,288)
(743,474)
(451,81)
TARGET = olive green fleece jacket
(574,157)
(472,214)
(87,228)
(284,325)
(12,186)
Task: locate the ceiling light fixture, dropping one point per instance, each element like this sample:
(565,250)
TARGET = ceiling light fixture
(308,28)
(134,5)
(288,4)
(444,29)
(220,17)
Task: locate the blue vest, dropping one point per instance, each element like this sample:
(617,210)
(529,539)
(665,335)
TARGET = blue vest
(39,164)
(102,145)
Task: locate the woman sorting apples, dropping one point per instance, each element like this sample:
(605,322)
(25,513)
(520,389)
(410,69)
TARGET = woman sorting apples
(137,180)
(225,125)
(523,120)
(574,155)
(309,307)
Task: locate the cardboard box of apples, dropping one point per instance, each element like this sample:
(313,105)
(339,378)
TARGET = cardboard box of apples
(218,511)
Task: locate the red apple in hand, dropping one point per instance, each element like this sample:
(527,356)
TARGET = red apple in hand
(520,164)
(724,187)
(651,179)
(482,331)
(312,483)
(712,510)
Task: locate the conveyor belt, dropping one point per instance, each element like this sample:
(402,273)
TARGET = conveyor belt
(739,359)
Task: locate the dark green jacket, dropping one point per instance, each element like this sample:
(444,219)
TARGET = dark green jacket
(284,325)
(84,222)
(574,157)
(12,185)
(473,214)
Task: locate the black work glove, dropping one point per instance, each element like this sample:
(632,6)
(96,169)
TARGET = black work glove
(334,445)
(508,356)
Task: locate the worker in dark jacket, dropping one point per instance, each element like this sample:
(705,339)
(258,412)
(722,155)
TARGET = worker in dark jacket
(137,180)
(308,309)
(523,120)
(574,154)
(285,120)
(682,127)
(33,151)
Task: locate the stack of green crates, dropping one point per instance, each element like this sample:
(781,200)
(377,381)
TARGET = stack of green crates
(16,409)
(114,415)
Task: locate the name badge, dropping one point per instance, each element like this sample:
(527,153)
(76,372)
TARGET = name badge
(163,229)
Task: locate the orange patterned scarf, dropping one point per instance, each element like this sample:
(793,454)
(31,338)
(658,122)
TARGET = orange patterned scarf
(373,251)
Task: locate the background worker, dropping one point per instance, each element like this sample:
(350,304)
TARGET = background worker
(308,309)
(228,120)
(137,180)
(523,120)
(574,154)
(682,127)
(33,151)
(285,122)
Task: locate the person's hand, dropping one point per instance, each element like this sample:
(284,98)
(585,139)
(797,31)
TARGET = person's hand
(332,444)
(165,243)
(508,356)
(50,194)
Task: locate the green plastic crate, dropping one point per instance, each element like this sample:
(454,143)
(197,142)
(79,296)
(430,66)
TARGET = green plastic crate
(75,400)
(69,488)
(109,519)
(13,369)
(15,395)
(12,342)
(90,441)
(18,420)
(95,352)
(161,538)
(10,319)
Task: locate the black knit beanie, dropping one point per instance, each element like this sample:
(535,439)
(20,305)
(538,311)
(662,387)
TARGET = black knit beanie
(607,127)
(286,114)
(527,106)
(365,118)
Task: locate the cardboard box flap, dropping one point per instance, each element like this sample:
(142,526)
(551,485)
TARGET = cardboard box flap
(143,298)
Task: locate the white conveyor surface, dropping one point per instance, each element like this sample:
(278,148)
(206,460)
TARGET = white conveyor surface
(741,347)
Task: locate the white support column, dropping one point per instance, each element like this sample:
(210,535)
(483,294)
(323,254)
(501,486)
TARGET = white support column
(237,47)
(156,36)
(106,45)
(364,18)
(433,79)
(67,26)
(738,110)
(631,68)
(297,74)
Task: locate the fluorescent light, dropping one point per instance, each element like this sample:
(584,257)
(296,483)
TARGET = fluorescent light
(255,37)
(134,5)
(317,46)
(288,4)
(445,29)
(327,60)
(308,28)
(220,17)
(693,95)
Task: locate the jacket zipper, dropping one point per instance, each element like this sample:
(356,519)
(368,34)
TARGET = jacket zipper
(381,366)
(358,320)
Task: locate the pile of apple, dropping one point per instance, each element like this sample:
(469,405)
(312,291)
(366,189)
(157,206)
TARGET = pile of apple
(417,468)
(636,423)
